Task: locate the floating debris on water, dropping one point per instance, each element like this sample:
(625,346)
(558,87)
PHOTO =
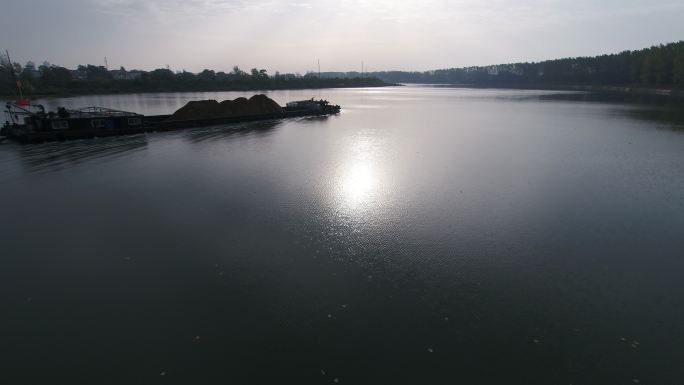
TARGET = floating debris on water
(431,350)
(197,338)
(536,341)
(623,339)
(446,319)
(329,315)
(636,381)
(323,372)
(336,380)
(162,373)
(344,306)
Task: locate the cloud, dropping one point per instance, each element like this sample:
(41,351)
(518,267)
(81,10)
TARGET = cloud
(289,35)
(171,11)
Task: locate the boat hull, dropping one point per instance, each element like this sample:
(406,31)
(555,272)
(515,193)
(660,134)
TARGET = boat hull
(22,133)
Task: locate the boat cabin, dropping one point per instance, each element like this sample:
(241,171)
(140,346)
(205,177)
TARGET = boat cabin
(318,106)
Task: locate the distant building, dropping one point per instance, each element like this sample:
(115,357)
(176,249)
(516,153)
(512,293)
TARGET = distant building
(31,70)
(134,75)
(516,70)
(78,75)
(122,74)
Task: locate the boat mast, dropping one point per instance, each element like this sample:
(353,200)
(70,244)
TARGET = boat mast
(14,77)
(319,78)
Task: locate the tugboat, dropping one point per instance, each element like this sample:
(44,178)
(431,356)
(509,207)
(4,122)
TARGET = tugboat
(322,106)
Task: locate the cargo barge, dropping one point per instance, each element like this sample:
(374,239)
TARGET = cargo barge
(28,123)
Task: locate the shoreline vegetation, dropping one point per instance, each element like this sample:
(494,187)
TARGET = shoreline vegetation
(54,81)
(658,70)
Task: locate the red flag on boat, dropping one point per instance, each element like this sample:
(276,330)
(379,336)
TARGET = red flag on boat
(23,102)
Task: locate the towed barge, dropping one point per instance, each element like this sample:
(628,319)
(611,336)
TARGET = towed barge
(29,123)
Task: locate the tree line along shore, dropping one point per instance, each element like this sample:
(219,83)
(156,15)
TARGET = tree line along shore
(52,80)
(658,69)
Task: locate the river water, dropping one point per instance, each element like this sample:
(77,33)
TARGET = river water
(424,235)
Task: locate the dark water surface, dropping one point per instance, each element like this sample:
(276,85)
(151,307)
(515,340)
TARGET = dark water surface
(424,235)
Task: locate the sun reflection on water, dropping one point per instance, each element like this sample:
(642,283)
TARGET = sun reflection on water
(357,185)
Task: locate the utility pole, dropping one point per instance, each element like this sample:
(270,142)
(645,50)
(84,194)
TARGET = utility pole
(319,69)
(106,64)
(361,69)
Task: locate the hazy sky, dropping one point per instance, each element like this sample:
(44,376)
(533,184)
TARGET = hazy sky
(290,35)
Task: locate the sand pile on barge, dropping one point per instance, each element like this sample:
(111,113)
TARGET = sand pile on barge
(211,109)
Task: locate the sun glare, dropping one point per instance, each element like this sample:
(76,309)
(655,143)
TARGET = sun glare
(358,184)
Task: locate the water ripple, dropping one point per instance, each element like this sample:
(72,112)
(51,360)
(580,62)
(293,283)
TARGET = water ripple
(55,155)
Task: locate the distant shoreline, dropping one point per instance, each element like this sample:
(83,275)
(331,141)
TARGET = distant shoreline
(635,90)
(68,94)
